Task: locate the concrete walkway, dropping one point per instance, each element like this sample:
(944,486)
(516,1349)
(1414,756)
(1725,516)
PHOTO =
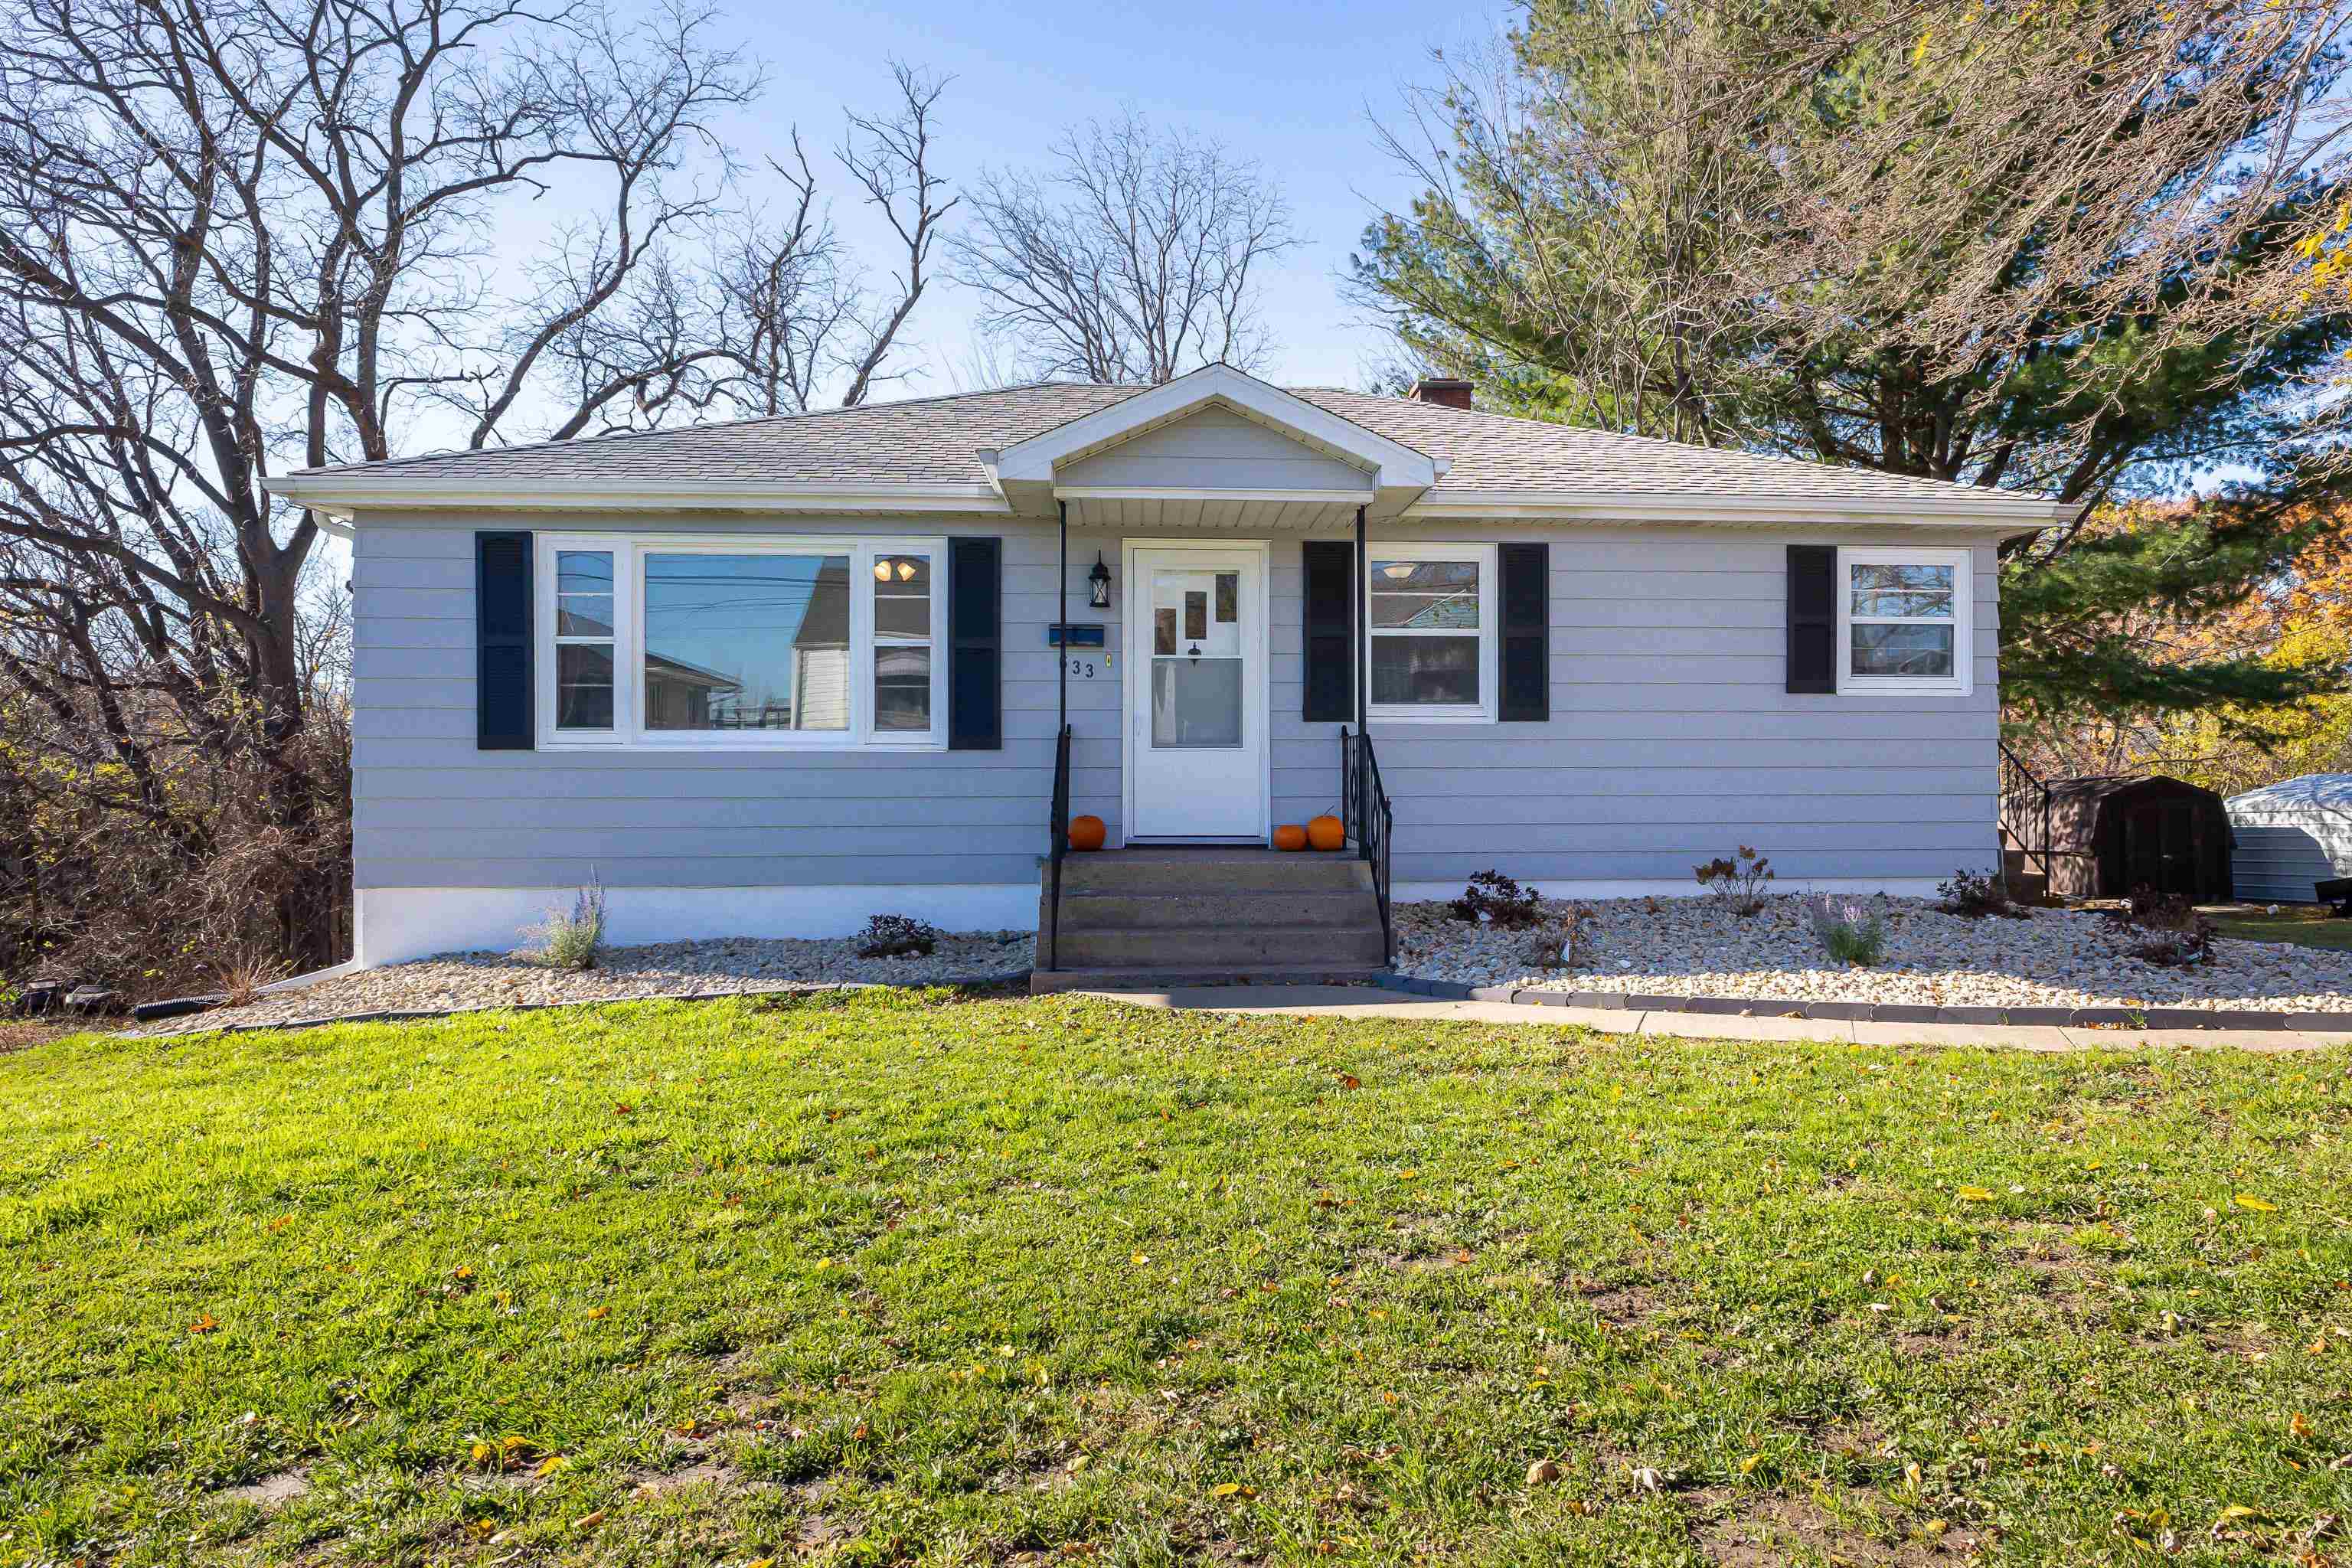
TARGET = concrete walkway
(1362,1001)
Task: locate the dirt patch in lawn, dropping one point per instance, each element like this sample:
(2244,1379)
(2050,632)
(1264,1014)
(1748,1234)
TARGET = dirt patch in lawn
(1766,1529)
(271,1491)
(1622,1307)
(716,1473)
(16,1035)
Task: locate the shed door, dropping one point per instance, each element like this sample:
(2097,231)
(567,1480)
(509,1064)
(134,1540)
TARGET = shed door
(2160,847)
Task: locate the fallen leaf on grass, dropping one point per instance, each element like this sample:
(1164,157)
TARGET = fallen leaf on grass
(550,1464)
(1236,1489)
(2259,1206)
(1975,1194)
(600,1312)
(589,1521)
(205,1325)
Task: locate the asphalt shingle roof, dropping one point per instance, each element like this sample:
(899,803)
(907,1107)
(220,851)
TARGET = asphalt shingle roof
(936,440)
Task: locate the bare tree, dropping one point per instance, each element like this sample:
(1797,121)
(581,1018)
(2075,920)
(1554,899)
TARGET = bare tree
(799,316)
(1132,258)
(240,234)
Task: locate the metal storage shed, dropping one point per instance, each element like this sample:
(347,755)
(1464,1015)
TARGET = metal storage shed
(2291,834)
(2111,834)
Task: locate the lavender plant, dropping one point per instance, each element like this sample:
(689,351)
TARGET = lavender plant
(572,941)
(1850,930)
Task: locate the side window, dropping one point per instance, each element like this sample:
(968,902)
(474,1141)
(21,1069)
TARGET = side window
(903,633)
(583,640)
(1430,619)
(1903,620)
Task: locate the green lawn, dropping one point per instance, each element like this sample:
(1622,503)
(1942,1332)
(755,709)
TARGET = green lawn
(903,1278)
(2305,925)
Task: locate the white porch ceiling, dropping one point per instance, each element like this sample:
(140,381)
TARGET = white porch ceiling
(1220,514)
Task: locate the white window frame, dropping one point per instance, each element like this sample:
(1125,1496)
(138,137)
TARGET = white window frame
(1483,712)
(628,732)
(1962,561)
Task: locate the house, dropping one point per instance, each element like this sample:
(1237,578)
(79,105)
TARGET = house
(775,676)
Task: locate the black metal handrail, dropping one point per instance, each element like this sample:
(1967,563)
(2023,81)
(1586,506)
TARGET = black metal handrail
(2025,811)
(1057,846)
(1370,822)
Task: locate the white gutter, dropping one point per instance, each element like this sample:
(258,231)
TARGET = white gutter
(1990,507)
(341,495)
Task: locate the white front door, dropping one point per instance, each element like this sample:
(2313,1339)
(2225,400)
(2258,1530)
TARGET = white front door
(1196,691)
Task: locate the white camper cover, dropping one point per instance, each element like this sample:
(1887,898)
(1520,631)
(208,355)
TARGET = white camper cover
(2289,836)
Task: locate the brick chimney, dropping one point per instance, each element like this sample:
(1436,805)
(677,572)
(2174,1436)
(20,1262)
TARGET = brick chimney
(1442,389)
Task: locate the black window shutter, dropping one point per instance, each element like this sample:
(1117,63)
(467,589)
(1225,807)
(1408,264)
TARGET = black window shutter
(1525,572)
(1330,613)
(975,645)
(503,700)
(1812,619)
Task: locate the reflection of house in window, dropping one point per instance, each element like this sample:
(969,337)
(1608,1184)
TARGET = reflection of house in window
(821,657)
(681,696)
(747,642)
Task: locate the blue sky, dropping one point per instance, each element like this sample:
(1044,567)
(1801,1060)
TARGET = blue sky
(1291,84)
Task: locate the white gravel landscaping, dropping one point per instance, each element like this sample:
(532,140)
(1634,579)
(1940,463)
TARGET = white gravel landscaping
(459,981)
(1694,947)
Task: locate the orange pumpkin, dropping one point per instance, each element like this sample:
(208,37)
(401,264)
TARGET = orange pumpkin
(1087,833)
(1328,832)
(1290,836)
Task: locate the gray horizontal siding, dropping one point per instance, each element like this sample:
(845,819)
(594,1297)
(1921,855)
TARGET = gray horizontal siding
(1217,448)
(1670,740)
(1673,737)
(431,811)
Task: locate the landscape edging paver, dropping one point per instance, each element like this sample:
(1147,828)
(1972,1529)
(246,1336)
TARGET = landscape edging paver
(410,1015)
(2136,1018)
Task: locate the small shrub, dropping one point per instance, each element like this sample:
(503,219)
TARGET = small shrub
(1975,894)
(242,979)
(2173,933)
(1739,885)
(1571,922)
(1850,930)
(1500,901)
(896,936)
(572,941)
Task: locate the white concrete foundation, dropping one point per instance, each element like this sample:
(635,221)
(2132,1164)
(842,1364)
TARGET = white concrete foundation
(396,924)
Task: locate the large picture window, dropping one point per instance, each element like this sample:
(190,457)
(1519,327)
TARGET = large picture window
(1903,620)
(1430,625)
(771,642)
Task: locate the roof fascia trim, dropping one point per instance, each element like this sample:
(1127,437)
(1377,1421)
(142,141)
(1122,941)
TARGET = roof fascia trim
(341,495)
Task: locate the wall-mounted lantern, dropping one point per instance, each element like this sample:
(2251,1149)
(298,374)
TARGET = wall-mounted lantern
(1099,584)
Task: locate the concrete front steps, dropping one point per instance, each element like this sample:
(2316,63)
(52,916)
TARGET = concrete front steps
(1160,917)
(2025,887)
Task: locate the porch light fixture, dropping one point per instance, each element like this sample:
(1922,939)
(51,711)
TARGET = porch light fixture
(1397,571)
(1099,584)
